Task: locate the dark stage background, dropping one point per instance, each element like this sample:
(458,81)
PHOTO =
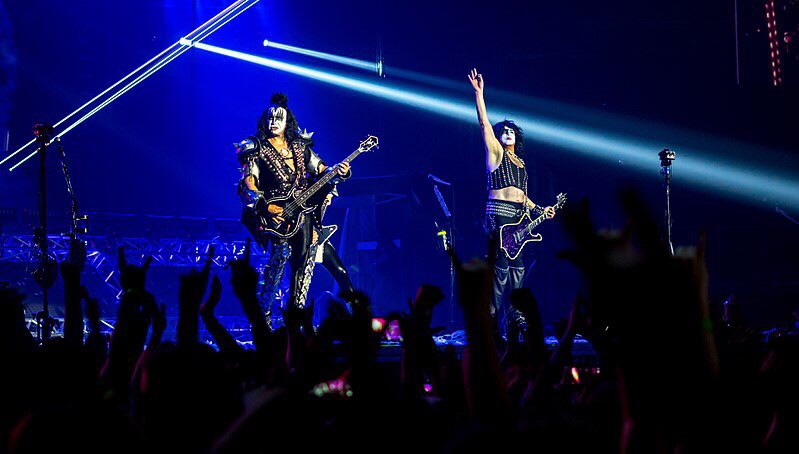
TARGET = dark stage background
(165,147)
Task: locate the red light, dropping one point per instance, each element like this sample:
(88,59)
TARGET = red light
(378,324)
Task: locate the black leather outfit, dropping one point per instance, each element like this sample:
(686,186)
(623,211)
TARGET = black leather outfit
(273,177)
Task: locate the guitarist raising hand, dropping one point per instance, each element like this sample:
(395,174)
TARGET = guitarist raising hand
(275,161)
(507,199)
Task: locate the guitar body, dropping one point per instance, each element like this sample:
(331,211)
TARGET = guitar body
(513,237)
(326,233)
(292,218)
(296,205)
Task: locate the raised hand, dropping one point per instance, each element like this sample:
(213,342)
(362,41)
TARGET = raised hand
(92,310)
(427,297)
(158,318)
(207,309)
(194,283)
(132,276)
(133,321)
(476,79)
(192,289)
(244,279)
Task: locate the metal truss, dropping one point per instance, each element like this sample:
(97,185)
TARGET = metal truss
(101,252)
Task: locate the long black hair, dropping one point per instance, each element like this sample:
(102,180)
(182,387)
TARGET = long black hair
(292,132)
(518,148)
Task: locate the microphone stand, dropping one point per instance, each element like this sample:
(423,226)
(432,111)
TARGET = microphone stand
(666,157)
(75,216)
(47,271)
(446,235)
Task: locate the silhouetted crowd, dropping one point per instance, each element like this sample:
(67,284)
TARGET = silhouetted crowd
(674,375)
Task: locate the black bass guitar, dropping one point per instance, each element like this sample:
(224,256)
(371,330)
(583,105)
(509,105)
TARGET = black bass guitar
(296,205)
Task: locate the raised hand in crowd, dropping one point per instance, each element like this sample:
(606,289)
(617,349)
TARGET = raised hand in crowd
(244,279)
(14,334)
(221,336)
(486,395)
(136,306)
(96,341)
(192,290)
(418,348)
(636,290)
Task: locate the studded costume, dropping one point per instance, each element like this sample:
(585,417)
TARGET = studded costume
(273,176)
(508,274)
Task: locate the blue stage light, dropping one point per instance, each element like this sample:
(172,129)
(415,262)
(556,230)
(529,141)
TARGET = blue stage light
(347,61)
(143,72)
(694,164)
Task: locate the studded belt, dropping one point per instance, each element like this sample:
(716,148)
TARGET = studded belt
(502,208)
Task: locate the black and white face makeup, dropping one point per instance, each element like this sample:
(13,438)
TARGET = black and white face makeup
(277,120)
(508,136)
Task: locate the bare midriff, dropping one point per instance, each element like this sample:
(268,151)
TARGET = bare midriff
(508,194)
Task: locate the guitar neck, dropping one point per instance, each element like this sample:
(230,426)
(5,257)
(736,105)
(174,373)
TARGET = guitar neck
(308,193)
(536,222)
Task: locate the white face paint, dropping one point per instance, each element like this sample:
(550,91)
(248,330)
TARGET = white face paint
(508,136)
(277,120)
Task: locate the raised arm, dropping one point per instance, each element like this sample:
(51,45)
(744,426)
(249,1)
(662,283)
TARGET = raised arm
(493,148)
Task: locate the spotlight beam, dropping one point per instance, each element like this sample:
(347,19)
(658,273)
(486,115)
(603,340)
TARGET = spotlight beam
(152,65)
(347,61)
(757,186)
(547,108)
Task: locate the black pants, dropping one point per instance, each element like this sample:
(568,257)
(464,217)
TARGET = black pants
(333,264)
(295,251)
(508,273)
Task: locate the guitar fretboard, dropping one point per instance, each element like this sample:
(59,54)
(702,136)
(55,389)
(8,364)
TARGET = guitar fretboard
(308,193)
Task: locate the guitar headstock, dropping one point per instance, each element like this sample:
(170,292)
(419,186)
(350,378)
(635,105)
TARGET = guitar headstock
(561,200)
(369,143)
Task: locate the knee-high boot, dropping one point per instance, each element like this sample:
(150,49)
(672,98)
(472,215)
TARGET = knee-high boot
(273,274)
(513,315)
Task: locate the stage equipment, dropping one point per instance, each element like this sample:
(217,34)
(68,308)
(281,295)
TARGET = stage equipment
(445,235)
(666,157)
(774,43)
(143,72)
(47,270)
